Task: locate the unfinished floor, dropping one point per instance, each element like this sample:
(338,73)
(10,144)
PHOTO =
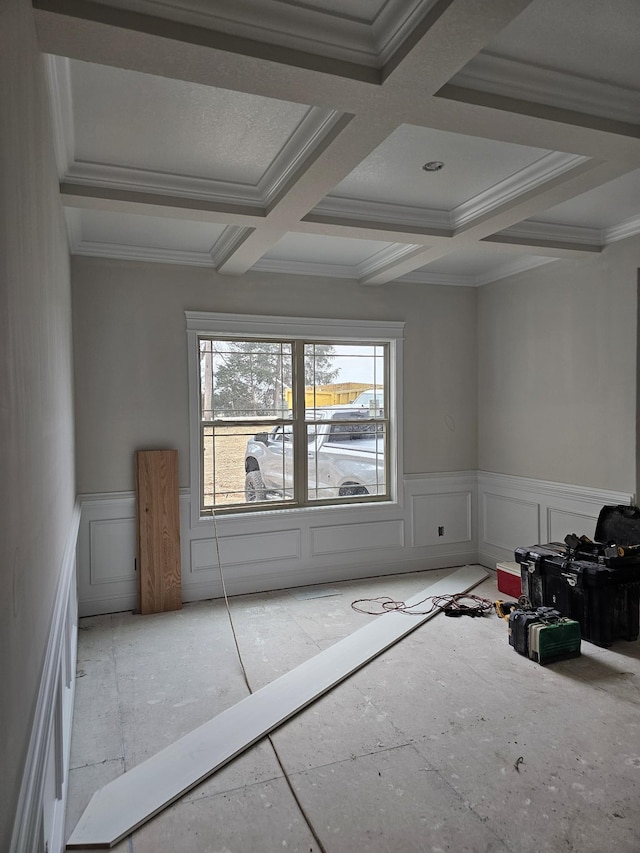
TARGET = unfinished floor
(450,741)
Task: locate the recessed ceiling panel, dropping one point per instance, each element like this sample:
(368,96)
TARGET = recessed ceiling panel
(141,237)
(577,55)
(588,38)
(475,267)
(125,118)
(394,174)
(611,204)
(317,248)
(364,32)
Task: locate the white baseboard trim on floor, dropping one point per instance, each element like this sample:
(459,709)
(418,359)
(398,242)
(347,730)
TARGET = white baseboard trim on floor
(123,805)
(39,818)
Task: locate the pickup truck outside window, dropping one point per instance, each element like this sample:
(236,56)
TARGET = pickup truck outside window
(288,423)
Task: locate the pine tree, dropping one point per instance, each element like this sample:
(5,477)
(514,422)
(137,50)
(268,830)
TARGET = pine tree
(249,378)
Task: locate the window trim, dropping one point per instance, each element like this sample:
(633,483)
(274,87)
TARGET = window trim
(245,326)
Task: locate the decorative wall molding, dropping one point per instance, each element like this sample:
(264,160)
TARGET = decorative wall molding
(261,551)
(483,517)
(39,818)
(519,511)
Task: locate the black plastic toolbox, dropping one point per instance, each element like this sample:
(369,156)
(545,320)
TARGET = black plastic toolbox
(604,600)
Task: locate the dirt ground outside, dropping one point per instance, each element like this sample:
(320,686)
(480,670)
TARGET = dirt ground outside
(227,454)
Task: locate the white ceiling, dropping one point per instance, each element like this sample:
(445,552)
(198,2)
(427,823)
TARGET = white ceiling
(290,136)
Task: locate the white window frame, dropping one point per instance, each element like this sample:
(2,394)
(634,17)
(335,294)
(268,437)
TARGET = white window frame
(246,326)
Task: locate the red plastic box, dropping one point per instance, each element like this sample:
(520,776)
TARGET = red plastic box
(509,579)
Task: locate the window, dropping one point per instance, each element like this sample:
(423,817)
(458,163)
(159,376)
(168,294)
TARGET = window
(284,416)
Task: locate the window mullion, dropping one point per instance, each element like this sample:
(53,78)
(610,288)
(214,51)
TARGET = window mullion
(300,460)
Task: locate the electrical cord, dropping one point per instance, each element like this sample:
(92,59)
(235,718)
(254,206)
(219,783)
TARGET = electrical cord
(451,605)
(285,775)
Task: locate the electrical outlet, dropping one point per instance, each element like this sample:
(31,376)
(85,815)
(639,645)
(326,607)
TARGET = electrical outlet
(440,531)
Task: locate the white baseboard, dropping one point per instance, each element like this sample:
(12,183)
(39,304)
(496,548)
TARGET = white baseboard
(39,818)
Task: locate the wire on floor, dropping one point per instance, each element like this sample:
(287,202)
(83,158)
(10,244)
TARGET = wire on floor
(459,604)
(285,775)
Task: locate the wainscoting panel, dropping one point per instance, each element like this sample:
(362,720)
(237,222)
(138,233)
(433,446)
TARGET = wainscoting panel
(290,548)
(560,522)
(508,519)
(441,519)
(483,517)
(113,541)
(252,548)
(39,818)
(344,538)
(518,511)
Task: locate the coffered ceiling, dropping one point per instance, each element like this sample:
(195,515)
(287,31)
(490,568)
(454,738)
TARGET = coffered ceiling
(292,136)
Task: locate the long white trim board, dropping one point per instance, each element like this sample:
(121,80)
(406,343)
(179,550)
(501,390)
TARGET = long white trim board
(123,805)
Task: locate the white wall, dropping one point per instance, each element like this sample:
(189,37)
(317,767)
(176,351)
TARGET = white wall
(131,392)
(36,420)
(131,357)
(557,371)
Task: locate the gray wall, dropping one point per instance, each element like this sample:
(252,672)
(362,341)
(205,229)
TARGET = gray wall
(36,415)
(131,359)
(557,371)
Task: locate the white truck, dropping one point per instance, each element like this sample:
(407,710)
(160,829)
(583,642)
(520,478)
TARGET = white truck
(345,458)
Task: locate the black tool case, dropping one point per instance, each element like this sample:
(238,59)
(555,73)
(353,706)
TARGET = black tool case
(604,600)
(595,583)
(521,620)
(531,568)
(617,538)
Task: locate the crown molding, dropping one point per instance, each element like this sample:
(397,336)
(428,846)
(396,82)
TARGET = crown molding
(398,29)
(58,77)
(121,252)
(146,180)
(502,75)
(382,258)
(227,243)
(547,168)
(74,228)
(505,270)
(539,231)
(512,267)
(312,131)
(338,208)
(628,228)
(366,41)
(439,279)
(306,268)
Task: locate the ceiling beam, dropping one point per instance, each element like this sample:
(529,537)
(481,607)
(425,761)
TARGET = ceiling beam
(107,35)
(582,178)
(89,197)
(318,176)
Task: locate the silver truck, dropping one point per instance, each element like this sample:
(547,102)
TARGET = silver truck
(345,457)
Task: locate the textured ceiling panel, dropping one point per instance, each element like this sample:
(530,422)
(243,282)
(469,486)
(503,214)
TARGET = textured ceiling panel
(125,118)
(393,173)
(314,248)
(99,226)
(588,38)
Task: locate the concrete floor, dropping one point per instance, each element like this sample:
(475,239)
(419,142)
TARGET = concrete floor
(415,752)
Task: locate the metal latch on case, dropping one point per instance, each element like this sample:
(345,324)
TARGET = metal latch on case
(571,580)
